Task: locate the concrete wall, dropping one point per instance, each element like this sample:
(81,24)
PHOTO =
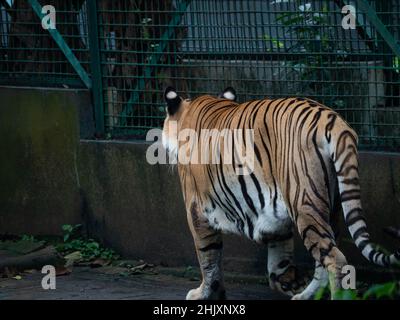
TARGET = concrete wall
(48,177)
(39,142)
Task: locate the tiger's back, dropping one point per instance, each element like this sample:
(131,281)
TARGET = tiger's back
(258,204)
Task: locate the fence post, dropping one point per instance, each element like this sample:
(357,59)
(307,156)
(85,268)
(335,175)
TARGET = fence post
(95,66)
(380,26)
(58,38)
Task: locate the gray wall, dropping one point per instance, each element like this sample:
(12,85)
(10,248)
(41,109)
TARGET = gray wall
(49,177)
(38,160)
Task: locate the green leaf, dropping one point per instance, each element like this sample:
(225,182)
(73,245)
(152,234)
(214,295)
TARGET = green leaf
(67,227)
(396,64)
(320,293)
(379,291)
(275,42)
(346,295)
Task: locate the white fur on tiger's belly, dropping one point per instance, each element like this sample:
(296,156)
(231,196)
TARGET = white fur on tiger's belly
(267,223)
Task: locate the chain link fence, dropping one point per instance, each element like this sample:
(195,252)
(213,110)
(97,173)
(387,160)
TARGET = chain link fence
(29,56)
(262,48)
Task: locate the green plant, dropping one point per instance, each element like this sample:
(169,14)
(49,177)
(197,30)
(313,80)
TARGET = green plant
(88,248)
(70,231)
(310,38)
(388,290)
(347,295)
(396,64)
(321,293)
(26,237)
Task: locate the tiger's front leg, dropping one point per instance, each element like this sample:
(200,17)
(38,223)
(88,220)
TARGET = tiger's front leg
(208,242)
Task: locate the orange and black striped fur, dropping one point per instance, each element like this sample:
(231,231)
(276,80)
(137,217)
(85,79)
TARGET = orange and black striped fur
(305,173)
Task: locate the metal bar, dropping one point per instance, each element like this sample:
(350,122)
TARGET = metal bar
(360,29)
(380,27)
(45,82)
(154,58)
(7,7)
(5,4)
(95,66)
(37,8)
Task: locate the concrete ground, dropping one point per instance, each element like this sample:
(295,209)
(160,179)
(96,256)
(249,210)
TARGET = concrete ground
(113,283)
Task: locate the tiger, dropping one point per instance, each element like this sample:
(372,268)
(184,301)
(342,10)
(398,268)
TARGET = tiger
(305,174)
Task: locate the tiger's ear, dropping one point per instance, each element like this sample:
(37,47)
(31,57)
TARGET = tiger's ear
(172,99)
(229,93)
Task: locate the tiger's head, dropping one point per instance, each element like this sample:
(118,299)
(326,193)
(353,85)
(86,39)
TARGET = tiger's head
(175,111)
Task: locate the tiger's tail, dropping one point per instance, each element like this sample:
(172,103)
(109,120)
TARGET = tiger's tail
(343,152)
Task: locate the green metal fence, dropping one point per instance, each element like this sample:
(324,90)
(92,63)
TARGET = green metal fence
(31,55)
(263,48)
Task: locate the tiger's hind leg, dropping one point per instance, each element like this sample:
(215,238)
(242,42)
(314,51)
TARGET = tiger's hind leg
(319,240)
(208,243)
(320,280)
(283,274)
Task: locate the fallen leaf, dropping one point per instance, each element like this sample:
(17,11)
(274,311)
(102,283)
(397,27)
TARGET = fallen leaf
(99,263)
(30,271)
(62,271)
(145,268)
(73,258)
(139,267)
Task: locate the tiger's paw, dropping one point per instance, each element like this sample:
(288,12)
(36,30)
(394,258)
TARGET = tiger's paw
(290,282)
(213,292)
(299,296)
(195,294)
(305,295)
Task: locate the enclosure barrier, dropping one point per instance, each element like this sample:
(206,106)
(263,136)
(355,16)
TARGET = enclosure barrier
(127,51)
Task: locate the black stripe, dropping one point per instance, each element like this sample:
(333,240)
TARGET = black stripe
(258,155)
(354,181)
(218,199)
(360,231)
(350,198)
(283,264)
(363,244)
(212,246)
(258,187)
(355,212)
(246,196)
(371,255)
(270,167)
(354,220)
(350,192)
(250,227)
(225,185)
(324,168)
(386,259)
(330,126)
